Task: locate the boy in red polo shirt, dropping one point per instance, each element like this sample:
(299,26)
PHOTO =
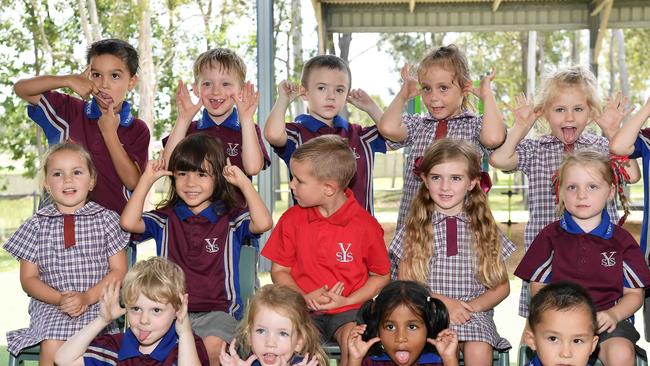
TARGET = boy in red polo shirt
(229,103)
(159,331)
(328,247)
(117,142)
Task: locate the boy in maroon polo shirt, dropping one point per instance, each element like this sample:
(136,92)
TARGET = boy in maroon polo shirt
(325,86)
(117,142)
(328,247)
(229,105)
(159,331)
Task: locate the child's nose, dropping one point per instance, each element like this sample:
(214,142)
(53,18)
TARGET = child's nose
(144,318)
(566,351)
(400,336)
(269,341)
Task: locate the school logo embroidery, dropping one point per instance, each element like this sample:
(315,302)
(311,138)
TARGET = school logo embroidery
(344,256)
(608,259)
(354,151)
(211,245)
(232,149)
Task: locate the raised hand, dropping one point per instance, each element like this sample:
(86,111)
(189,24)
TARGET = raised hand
(231,358)
(82,85)
(183,324)
(156,168)
(234,175)
(73,303)
(108,121)
(109,302)
(247,102)
(357,347)
(524,111)
(446,343)
(613,114)
(485,87)
(186,108)
(288,91)
(360,99)
(409,84)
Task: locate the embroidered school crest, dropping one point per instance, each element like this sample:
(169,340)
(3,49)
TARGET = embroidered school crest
(354,151)
(211,245)
(608,259)
(344,255)
(232,150)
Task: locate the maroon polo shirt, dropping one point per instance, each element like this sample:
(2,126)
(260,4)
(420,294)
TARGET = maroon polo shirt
(207,247)
(603,266)
(229,133)
(62,117)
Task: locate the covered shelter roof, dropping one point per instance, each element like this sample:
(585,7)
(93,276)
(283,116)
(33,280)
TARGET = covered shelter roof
(388,16)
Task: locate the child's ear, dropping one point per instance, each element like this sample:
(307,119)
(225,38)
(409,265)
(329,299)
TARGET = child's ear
(299,344)
(594,343)
(133,82)
(195,89)
(302,92)
(473,184)
(612,192)
(529,339)
(330,187)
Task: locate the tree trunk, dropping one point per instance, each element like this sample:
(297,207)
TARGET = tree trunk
(612,65)
(344,48)
(147,81)
(83,21)
(575,47)
(622,63)
(94,20)
(296,49)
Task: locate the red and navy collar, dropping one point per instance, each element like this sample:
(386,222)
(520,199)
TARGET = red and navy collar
(211,212)
(130,347)
(313,124)
(231,122)
(92,111)
(604,230)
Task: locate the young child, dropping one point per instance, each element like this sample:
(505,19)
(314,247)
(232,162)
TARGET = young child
(403,326)
(562,325)
(201,228)
(444,83)
(159,330)
(277,330)
(67,251)
(587,247)
(452,243)
(117,142)
(325,86)
(328,248)
(229,103)
(568,101)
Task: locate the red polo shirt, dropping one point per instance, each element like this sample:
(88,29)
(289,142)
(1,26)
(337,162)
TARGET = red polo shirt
(321,250)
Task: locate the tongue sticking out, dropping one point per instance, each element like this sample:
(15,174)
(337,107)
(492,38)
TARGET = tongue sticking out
(143,335)
(569,134)
(269,358)
(402,356)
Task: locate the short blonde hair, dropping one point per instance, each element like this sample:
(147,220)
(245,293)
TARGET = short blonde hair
(223,59)
(156,278)
(576,76)
(452,59)
(331,159)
